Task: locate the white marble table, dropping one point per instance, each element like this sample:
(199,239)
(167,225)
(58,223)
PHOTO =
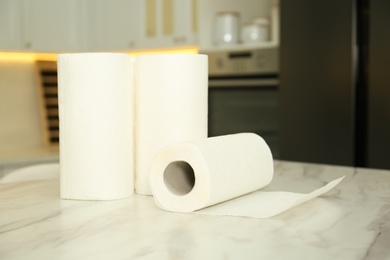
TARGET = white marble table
(12,160)
(350,222)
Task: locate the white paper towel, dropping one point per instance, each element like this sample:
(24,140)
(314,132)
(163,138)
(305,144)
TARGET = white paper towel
(199,175)
(171,106)
(96,110)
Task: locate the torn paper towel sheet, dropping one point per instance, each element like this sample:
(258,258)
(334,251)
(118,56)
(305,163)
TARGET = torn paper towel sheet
(96,125)
(221,176)
(171,106)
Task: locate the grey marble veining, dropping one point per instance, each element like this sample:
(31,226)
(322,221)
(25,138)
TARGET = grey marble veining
(350,222)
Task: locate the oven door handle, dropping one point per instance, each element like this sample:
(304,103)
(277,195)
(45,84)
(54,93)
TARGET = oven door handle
(234,83)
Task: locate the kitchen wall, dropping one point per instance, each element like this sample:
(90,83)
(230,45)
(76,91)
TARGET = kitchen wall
(19,113)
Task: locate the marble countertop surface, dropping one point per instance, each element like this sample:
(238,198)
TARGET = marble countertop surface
(351,221)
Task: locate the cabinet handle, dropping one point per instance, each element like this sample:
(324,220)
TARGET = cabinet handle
(28,45)
(131,44)
(181,39)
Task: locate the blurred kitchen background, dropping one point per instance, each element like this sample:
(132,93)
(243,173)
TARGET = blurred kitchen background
(307,75)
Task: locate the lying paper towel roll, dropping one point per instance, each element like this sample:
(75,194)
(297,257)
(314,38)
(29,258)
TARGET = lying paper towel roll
(171,106)
(96,125)
(194,176)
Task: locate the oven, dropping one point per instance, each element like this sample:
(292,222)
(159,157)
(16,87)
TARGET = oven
(243,93)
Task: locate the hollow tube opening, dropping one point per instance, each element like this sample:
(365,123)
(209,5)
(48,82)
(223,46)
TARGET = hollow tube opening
(179,178)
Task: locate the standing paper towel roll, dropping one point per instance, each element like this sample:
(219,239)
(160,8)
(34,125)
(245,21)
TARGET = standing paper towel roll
(171,106)
(199,175)
(96,125)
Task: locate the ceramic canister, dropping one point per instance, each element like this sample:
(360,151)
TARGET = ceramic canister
(255,31)
(227,28)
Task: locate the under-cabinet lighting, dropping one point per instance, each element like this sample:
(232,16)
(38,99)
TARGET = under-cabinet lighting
(30,56)
(181,50)
(27,56)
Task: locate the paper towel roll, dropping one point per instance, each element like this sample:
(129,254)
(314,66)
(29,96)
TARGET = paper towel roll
(96,109)
(171,106)
(189,176)
(193,176)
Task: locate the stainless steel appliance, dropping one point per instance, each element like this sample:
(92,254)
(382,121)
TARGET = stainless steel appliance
(335,84)
(243,93)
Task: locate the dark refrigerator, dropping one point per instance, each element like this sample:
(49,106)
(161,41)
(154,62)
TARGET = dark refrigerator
(335,82)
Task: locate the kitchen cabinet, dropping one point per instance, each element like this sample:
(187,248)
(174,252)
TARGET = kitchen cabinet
(51,25)
(113,25)
(168,23)
(70,26)
(9,25)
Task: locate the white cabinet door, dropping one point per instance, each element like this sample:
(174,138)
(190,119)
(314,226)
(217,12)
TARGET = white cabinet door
(51,25)
(185,22)
(113,25)
(9,25)
(168,23)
